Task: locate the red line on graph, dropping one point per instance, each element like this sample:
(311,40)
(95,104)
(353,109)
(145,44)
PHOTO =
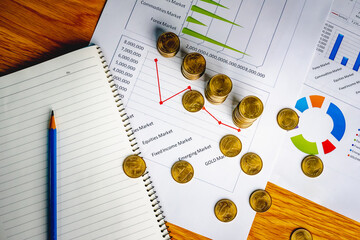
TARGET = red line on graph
(211,115)
(158,80)
(335,13)
(237,129)
(188,88)
(219,122)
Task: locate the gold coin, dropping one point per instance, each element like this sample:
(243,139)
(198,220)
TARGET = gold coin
(182,171)
(287,119)
(251,163)
(193,66)
(301,234)
(247,111)
(225,210)
(260,201)
(134,166)
(312,166)
(251,107)
(218,88)
(230,145)
(168,44)
(193,101)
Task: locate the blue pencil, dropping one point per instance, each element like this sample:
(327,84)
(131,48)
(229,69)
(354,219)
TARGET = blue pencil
(52,179)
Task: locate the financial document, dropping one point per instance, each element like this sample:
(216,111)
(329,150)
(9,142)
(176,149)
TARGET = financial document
(265,47)
(329,110)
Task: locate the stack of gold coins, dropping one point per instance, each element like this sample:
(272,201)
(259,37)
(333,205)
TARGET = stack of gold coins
(247,111)
(168,44)
(218,88)
(193,66)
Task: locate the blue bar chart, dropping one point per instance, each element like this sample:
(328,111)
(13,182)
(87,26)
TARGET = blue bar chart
(336,47)
(346,51)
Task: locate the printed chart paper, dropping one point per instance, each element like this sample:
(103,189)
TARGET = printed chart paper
(265,47)
(329,110)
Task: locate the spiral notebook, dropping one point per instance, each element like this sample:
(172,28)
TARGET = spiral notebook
(96,200)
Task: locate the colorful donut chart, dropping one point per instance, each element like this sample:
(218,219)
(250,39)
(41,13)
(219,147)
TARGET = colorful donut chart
(338,131)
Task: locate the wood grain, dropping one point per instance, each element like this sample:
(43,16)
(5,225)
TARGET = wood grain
(35,31)
(290,211)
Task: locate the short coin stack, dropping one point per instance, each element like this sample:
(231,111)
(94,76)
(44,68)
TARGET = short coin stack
(218,88)
(168,44)
(193,66)
(247,111)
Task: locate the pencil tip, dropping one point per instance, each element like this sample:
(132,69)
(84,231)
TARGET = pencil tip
(52,121)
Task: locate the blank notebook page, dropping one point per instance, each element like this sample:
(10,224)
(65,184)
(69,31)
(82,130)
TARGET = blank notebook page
(96,200)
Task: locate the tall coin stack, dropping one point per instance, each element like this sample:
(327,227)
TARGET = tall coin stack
(247,111)
(218,88)
(193,66)
(168,44)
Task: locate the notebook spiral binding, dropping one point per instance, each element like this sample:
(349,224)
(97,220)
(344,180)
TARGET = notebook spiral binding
(146,177)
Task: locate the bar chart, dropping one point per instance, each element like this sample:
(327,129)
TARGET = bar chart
(345,50)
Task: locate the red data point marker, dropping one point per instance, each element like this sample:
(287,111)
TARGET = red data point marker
(203,108)
(238,129)
(155,60)
(219,122)
(189,87)
(161,102)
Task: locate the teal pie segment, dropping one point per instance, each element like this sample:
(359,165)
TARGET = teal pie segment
(304,145)
(338,119)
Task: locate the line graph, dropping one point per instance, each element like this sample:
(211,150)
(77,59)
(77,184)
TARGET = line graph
(161,102)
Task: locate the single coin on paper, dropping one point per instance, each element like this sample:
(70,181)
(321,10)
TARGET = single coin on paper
(230,145)
(251,163)
(193,101)
(225,210)
(312,166)
(134,166)
(287,119)
(182,171)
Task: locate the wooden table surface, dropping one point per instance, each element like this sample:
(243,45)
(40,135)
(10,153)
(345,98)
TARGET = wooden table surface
(35,31)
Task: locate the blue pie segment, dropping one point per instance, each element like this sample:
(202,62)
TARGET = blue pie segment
(339,121)
(302,104)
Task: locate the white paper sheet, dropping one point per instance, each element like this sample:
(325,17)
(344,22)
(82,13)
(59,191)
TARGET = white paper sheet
(337,187)
(279,38)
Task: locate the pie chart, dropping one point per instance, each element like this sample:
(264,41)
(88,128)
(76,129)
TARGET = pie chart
(338,130)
